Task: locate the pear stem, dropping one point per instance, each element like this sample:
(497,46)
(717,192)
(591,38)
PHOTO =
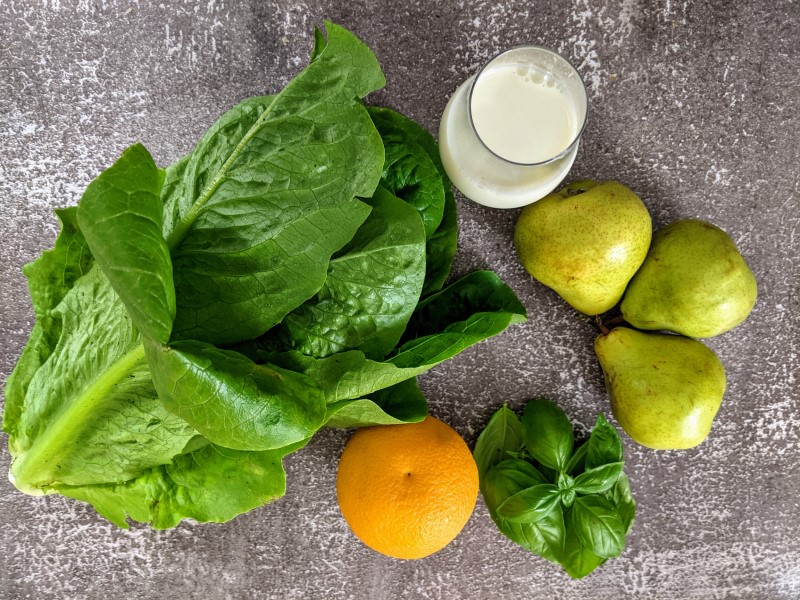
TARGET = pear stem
(600,325)
(608,324)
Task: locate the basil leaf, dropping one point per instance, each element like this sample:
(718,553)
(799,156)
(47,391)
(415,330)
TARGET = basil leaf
(120,215)
(550,474)
(549,534)
(547,433)
(577,560)
(604,445)
(507,478)
(232,401)
(373,285)
(577,463)
(622,499)
(401,403)
(564,481)
(598,526)
(501,435)
(599,479)
(530,505)
(566,489)
(546,536)
(522,455)
(579,522)
(521,473)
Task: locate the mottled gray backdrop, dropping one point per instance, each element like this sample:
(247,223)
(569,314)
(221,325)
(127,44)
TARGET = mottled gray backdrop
(693,105)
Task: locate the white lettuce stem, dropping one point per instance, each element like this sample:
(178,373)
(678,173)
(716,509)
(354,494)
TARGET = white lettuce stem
(37,467)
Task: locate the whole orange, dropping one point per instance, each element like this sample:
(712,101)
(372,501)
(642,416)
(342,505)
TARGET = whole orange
(407,490)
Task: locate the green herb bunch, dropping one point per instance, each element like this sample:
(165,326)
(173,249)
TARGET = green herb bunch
(572,506)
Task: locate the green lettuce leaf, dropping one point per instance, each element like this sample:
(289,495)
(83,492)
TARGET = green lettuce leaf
(441,249)
(120,215)
(407,142)
(90,412)
(268,196)
(231,400)
(345,375)
(50,277)
(409,173)
(403,402)
(211,484)
(472,309)
(489,306)
(319,44)
(372,287)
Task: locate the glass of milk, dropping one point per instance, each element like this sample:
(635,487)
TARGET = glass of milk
(509,134)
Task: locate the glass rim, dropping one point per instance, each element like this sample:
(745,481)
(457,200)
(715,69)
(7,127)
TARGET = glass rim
(580,131)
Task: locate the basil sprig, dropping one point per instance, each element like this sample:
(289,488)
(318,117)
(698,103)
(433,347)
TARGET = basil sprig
(572,506)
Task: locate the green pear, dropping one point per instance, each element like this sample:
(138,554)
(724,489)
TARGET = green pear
(585,241)
(693,281)
(665,389)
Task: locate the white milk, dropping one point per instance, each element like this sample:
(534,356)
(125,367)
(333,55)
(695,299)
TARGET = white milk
(522,115)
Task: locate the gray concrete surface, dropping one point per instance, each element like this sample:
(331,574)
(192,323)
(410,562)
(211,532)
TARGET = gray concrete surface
(693,105)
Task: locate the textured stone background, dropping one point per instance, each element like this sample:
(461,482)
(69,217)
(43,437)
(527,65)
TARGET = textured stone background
(693,105)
